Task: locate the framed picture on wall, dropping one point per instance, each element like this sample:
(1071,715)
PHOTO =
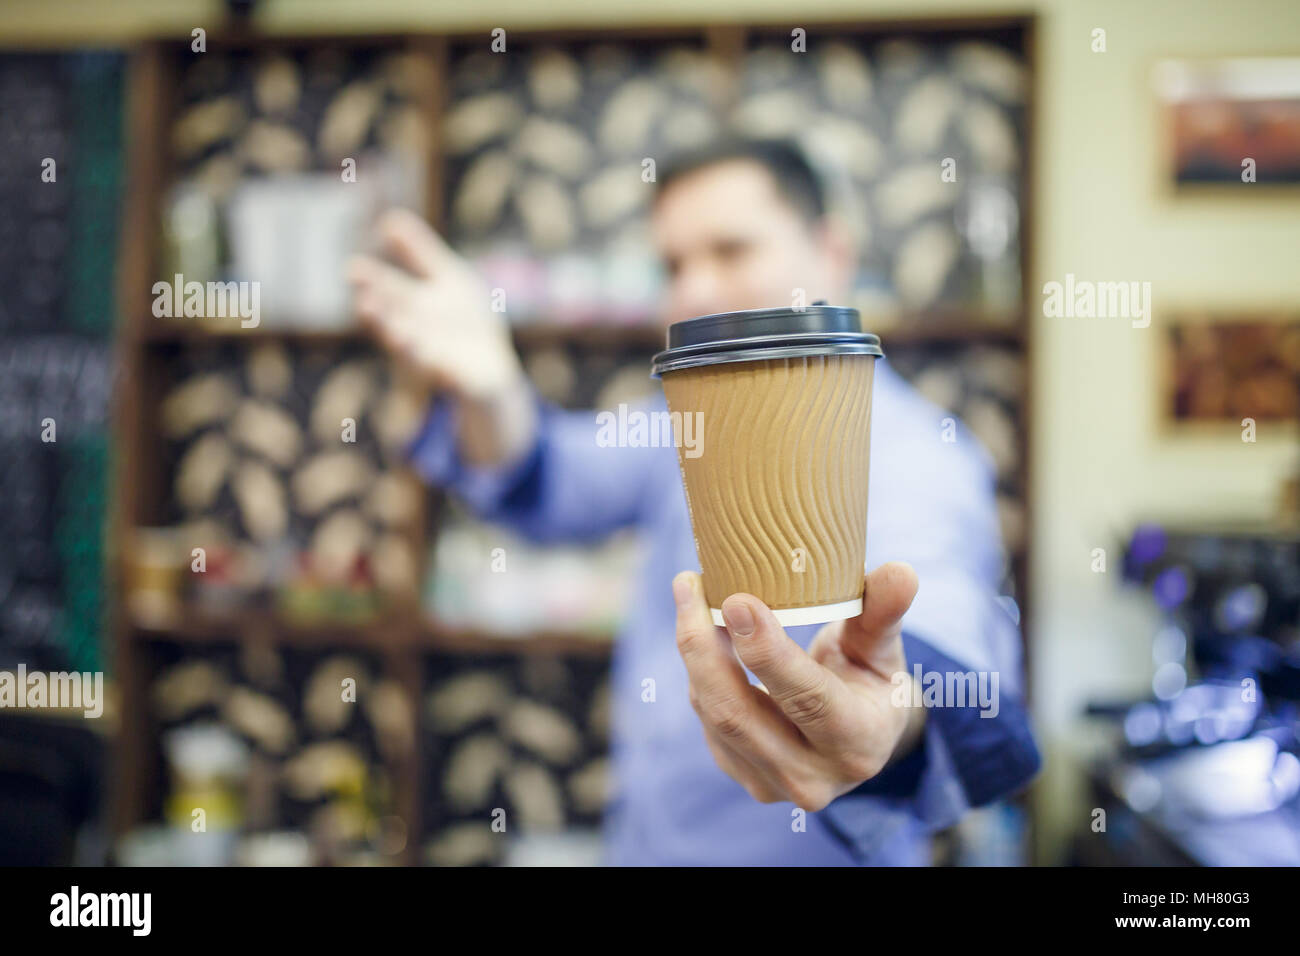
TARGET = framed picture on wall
(1230,122)
(1221,369)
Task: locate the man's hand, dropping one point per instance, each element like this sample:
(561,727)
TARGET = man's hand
(434,312)
(826,722)
(434,316)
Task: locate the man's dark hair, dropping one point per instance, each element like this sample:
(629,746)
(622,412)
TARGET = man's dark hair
(795,178)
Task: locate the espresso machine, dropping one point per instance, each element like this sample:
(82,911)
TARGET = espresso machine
(1206,770)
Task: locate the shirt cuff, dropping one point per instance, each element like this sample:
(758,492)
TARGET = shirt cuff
(435,456)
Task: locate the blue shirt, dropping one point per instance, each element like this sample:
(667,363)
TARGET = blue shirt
(931,504)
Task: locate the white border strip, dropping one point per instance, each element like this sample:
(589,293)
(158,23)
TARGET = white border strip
(796,616)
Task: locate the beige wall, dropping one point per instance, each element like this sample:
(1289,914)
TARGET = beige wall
(1100,463)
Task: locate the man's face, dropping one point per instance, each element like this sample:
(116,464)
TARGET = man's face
(729,240)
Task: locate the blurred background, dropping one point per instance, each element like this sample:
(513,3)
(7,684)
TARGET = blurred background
(1147,474)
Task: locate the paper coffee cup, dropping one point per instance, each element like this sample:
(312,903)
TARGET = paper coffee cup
(776,470)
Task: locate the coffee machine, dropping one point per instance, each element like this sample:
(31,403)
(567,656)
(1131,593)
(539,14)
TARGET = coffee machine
(1206,770)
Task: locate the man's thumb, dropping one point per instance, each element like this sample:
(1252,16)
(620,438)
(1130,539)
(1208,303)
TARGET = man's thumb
(888,592)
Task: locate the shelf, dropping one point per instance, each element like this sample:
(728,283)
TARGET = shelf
(925,332)
(526,336)
(592,335)
(197,627)
(388,631)
(905,332)
(159,333)
(461,641)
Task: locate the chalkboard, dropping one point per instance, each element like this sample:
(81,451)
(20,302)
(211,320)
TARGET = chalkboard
(60,176)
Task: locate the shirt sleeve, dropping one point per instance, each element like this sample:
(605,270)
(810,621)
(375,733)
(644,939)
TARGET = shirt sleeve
(934,507)
(566,486)
(968,757)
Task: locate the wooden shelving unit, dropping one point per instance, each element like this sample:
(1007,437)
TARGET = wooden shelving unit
(400,636)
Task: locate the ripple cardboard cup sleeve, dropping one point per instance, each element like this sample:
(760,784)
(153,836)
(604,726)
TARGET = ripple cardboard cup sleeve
(776,474)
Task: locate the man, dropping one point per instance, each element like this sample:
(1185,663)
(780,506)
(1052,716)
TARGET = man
(821,756)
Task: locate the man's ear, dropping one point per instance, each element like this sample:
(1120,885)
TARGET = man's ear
(839,251)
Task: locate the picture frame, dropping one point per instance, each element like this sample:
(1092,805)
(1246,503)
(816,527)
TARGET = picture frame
(1221,368)
(1229,123)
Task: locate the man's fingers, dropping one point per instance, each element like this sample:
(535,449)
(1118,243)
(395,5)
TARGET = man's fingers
(887,594)
(716,679)
(412,243)
(367,272)
(741,769)
(373,305)
(380,290)
(722,694)
(810,695)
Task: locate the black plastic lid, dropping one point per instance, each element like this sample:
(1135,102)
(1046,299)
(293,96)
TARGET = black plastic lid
(759,334)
